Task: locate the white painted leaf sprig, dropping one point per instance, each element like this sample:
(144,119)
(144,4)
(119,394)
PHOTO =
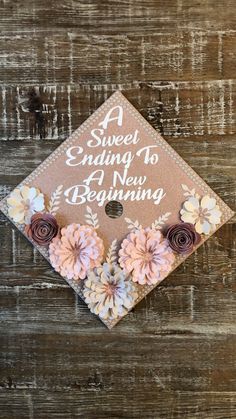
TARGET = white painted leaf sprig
(133,225)
(158,224)
(54,202)
(189,192)
(112,252)
(91,218)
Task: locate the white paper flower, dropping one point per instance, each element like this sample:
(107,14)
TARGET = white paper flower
(23,202)
(108,291)
(204,213)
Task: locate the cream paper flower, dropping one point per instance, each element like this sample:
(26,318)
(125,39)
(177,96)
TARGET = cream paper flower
(23,202)
(109,292)
(204,213)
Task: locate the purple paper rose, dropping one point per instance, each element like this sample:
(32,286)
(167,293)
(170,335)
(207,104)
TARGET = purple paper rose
(182,237)
(42,228)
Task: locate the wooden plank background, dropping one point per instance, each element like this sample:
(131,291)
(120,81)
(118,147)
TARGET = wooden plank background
(174,356)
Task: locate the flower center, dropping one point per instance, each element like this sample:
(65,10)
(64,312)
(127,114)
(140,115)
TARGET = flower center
(26,207)
(147,256)
(110,289)
(202,214)
(76,252)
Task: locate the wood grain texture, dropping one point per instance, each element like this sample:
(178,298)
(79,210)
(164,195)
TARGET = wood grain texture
(173,356)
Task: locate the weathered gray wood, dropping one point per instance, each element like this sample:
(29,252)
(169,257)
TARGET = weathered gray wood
(98,402)
(177,109)
(193,365)
(174,355)
(171,310)
(59,57)
(117,16)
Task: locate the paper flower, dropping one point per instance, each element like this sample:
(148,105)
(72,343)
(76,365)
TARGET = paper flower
(23,202)
(204,213)
(42,228)
(108,292)
(78,250)
(147,255)
(182,237)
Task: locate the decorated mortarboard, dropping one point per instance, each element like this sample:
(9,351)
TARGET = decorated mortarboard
(114,209)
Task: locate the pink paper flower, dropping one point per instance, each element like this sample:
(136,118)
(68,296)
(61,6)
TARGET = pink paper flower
(78,250)
(147,255)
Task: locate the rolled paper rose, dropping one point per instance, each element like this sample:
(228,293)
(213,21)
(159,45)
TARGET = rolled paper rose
(42,228)
(182,237)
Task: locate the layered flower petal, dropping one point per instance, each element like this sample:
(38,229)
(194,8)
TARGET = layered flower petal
(23,202)
(204,213)
(203,227)
(109,292)
(146,255)
(215,215)
(191,204)
(208,203)
(78,250)
(188,217)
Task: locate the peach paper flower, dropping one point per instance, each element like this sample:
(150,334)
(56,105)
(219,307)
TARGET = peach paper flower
(23,202)
(204,213)
(78,250)
(146,255)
